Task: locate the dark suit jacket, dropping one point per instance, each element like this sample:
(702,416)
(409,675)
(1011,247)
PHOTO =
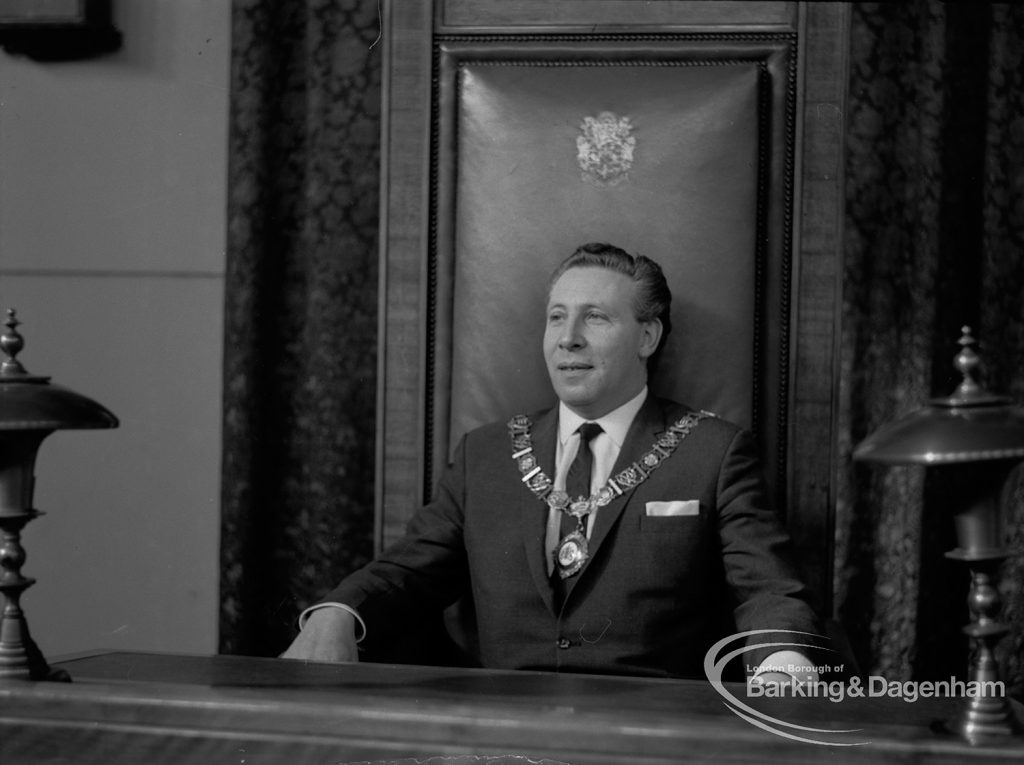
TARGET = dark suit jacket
(656,591)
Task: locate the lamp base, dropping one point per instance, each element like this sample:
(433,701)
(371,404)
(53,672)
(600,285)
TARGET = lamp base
(24,661)
(988,721)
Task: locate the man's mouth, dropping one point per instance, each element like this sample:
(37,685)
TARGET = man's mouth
(573,366)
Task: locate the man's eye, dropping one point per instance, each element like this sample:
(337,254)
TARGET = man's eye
(595,316)
(554,318)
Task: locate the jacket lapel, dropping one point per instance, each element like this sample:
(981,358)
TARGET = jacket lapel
(648,424)
(533,512)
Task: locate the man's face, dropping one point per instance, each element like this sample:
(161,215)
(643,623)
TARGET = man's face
(595,347)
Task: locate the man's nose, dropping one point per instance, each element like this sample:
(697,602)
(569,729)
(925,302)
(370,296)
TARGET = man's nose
(572,335)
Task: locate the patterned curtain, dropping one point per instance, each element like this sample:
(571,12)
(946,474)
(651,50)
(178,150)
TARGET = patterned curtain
(935,240)
(301,310)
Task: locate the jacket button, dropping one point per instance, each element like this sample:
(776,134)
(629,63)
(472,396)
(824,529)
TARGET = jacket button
(564,643)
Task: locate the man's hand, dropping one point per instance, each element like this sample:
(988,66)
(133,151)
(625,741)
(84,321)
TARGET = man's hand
(328,635)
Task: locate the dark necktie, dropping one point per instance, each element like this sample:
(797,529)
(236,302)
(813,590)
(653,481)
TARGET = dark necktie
(577,484)
(577,480)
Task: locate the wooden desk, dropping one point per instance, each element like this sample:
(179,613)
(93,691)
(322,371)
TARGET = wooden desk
(151,708)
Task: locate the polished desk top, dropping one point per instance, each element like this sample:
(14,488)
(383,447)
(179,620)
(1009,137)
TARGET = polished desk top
(154,708)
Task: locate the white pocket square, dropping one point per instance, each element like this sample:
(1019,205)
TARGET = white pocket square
(678,507)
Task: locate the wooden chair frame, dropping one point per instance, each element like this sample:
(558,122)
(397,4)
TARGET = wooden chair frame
(801,50)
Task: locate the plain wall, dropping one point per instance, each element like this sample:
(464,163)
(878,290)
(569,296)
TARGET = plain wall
(112,250)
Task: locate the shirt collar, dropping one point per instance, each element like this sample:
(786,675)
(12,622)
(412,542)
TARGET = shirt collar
(616,423)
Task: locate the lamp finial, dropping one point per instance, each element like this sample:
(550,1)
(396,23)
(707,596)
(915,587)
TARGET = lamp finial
(967,363)
(11,342)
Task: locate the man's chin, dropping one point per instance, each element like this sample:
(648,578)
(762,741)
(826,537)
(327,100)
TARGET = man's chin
(570,392)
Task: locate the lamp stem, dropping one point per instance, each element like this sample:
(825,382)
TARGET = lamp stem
(20,657)
(974,490)
(15,654)
(987,712)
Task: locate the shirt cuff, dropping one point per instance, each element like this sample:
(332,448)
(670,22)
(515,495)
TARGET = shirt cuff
(304,616)
(792,663)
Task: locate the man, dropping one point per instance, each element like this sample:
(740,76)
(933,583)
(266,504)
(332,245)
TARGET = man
(663,547)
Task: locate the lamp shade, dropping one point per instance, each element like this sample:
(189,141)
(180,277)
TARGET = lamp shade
(42,406)
(971,425)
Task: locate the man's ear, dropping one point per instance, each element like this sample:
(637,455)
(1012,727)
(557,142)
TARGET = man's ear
(651,337)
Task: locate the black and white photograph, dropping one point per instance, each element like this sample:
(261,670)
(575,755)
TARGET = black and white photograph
(511,382)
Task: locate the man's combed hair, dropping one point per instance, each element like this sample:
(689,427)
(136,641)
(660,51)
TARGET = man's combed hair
(653,298)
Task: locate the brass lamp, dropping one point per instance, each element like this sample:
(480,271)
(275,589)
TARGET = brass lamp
(30,409)
(977,438)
